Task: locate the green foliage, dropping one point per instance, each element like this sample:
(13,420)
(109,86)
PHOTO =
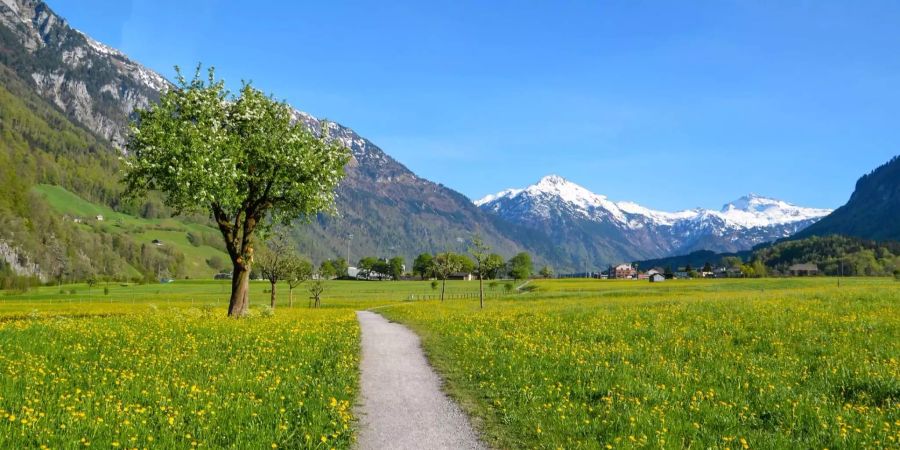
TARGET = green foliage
(241,158)
(217,262)
(835,255)
(423,265)
(445,264)
(520,266)
(546,272)
(367,265)
(485,264)
(238,157)
(333,268)
(395,267)
(494,266)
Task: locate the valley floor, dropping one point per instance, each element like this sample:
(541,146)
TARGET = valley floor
(573,364)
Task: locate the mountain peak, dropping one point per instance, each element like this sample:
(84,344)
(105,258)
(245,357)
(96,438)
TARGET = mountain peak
(753,201)
(553,179)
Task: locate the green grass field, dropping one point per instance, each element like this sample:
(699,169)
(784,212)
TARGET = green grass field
(784,363)
(574,364)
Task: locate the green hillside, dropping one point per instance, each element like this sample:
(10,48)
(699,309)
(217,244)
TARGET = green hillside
(53,171)
(171,233)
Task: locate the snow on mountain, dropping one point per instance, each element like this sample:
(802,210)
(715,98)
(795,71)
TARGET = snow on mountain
(568,211)
(746,212)
(757,211)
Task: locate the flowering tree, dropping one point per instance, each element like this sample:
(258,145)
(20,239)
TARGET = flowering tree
(484,264)
(241,158)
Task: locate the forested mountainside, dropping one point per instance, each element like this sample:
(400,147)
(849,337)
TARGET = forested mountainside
(89,87)
(873,211)
(41,146)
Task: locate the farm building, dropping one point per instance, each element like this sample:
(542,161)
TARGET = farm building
(803,270)
(625,271)
(657,277)
(464,276)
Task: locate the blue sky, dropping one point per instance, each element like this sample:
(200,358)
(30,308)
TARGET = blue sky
(670,104)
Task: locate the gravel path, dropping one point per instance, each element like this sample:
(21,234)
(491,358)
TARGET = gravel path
(401,403)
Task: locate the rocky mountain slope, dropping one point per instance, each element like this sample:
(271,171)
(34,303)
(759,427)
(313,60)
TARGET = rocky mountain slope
(873,211)
(608,231)
(388,209)
(93,84)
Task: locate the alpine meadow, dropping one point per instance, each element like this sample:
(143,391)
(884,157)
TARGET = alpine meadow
(188,260)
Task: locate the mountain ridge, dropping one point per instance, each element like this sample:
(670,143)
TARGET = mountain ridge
(873,210)
(388,208)
(562,208)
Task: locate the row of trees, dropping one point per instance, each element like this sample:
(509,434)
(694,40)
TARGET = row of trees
(491,265)
(382,268)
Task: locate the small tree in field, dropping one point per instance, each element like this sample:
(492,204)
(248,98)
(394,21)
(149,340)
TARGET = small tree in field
(299,271)
(274,261)
(483,264)
(444,265)
(316,288)
(241,158)
(546,272)
(91,282)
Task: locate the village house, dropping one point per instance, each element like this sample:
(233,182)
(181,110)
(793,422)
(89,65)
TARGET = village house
(625,271)
(657,277)
(803,270)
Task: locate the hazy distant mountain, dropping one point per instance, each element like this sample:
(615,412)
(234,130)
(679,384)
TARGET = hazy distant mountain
(873,211)
(605,231)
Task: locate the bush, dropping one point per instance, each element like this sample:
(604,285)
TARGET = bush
(508,287)
(434,284)
(105,291)
(217,262)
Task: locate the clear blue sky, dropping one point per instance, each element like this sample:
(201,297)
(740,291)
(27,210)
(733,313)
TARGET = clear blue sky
(670,104)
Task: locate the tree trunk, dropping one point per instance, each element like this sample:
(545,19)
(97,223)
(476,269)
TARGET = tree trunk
(481,289)
(290,296)
(272,301)
(443,285)
(240,284)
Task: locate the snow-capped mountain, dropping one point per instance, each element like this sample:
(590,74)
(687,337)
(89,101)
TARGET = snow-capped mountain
(610,230)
